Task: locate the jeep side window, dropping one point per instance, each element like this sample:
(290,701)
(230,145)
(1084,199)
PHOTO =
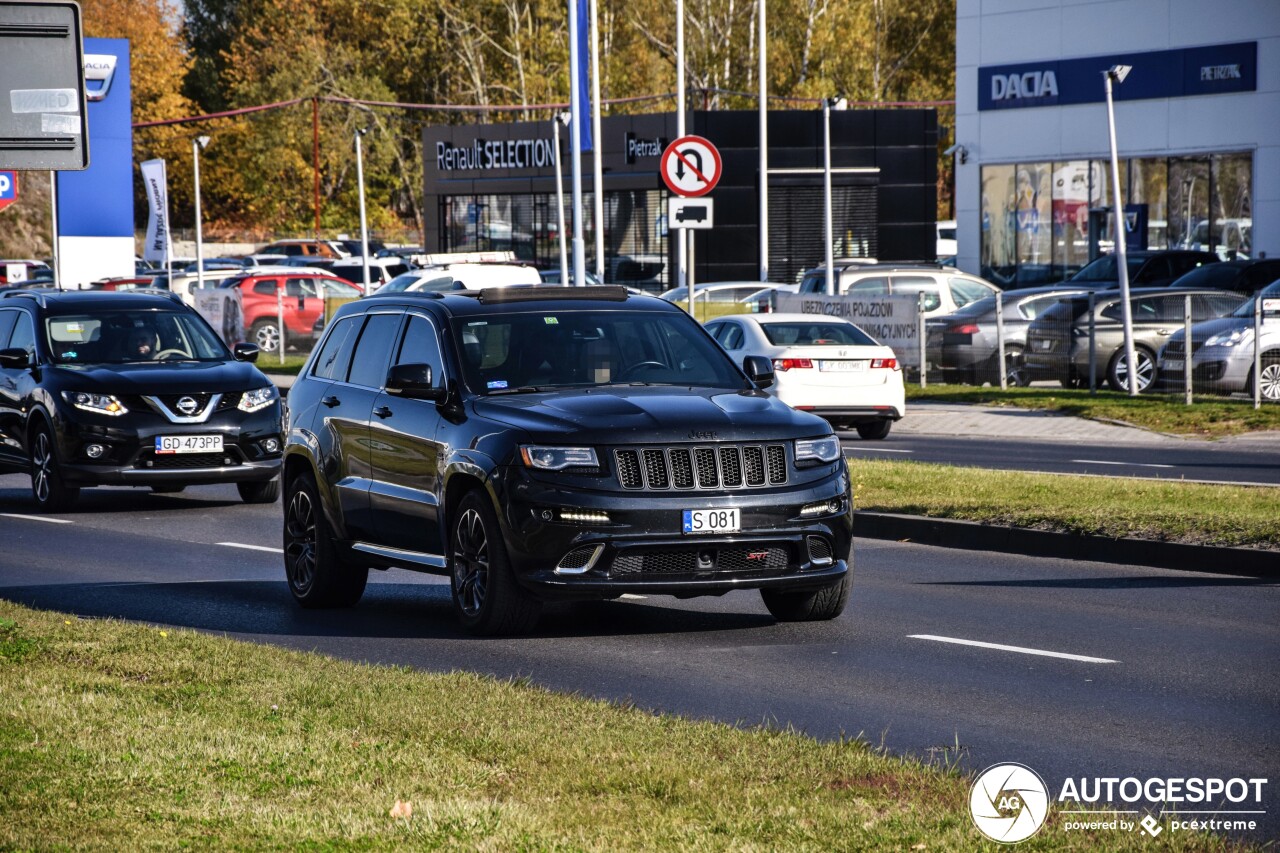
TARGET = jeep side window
(336,355)
(373,351)
(421,345)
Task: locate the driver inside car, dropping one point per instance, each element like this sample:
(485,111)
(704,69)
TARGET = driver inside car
(141,345)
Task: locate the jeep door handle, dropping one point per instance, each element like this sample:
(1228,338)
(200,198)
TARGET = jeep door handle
(331,401)
(383,412)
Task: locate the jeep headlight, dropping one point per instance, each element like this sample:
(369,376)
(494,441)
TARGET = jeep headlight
(258,398)
(558,458)
(1235,337)
(102,404)
(817,450)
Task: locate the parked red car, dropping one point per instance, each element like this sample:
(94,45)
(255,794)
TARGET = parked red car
(304,292)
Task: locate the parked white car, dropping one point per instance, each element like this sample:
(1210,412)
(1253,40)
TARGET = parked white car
(823,365)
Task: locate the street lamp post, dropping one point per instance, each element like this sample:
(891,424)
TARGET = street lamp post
(559,119)
(197,145)
(828,104)
(364,222)
(1117,73)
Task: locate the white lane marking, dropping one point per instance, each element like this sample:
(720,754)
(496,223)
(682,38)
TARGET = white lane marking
(1130,464)
(632,597)
(1004,648)
(36,518)
(880,449)
(250,547)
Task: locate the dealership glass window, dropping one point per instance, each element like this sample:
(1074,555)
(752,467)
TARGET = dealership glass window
(999,232)
(1180,193)
(1232,207)
(635,231)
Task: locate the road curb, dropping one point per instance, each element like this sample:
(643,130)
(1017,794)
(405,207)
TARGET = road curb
(975,536)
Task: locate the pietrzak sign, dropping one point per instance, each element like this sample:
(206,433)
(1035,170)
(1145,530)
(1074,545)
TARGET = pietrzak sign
(891,320)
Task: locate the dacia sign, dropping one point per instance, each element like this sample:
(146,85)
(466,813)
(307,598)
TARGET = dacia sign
(1029,84)
(1210,70)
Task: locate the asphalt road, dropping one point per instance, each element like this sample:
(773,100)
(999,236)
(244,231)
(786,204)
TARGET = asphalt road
(1165,674)
(1193,460)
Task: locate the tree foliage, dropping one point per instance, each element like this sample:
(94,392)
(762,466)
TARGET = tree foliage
(259,173)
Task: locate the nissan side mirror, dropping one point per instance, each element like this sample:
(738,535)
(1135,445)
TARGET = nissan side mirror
(16,358)
(759,370)
(245,351)
(414,382)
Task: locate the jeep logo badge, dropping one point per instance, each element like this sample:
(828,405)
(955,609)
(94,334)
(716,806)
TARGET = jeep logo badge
(703,435)
(188,405)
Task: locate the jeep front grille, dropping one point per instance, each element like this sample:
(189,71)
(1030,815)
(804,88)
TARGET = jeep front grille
(726,466)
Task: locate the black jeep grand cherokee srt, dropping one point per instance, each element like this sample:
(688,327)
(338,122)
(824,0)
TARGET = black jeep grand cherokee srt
(542,443)
(130,389)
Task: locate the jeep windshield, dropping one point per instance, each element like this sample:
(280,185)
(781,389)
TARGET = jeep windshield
(131,337)
(550,349)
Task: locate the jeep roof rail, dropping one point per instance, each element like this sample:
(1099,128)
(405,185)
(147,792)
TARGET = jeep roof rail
(537,293)
(412,294)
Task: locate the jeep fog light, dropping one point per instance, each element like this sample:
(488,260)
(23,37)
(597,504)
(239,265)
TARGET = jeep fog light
(827,507)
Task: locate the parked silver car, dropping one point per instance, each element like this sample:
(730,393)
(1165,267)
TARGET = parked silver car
(1222,351)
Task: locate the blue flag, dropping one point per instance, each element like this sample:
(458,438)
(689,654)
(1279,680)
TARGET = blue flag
(584,76)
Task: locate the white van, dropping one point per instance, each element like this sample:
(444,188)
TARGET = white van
(381,270)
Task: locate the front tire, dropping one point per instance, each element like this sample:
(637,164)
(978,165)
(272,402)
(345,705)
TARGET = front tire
(317,573)
(808,606)
(259,493)
(875,431)
(1270,385)
(486,596)
(52,494)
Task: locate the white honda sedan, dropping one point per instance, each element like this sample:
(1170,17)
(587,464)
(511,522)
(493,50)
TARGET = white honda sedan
(822,365)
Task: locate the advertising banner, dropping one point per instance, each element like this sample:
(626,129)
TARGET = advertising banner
(158,246)
(892,320)
(221,308)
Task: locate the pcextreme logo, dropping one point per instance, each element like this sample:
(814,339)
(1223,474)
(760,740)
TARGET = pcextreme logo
(1009,803)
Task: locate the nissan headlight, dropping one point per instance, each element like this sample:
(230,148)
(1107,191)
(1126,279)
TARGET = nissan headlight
(1235,337)
(257,399)
(817,450)
(102,404)
(558,458)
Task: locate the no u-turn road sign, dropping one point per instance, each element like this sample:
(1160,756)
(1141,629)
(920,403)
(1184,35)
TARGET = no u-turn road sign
(691,166)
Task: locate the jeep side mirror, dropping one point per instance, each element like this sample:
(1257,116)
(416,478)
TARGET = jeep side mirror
(414,382)
(759,370)
(16,358)
(245,351)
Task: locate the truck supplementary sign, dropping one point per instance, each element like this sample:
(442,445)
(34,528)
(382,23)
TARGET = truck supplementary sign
(690,213)
(691,166)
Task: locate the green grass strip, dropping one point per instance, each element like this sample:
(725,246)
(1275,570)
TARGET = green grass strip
(1207,417)
(1166,510)
(122,736)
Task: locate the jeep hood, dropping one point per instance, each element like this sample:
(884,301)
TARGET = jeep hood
(650,415)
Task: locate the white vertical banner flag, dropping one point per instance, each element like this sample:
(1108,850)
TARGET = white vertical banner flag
(158,246)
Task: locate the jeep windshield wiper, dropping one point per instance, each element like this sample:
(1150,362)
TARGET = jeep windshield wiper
(523,389)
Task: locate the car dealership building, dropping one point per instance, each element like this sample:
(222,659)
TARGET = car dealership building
(492,186)
(1197,125)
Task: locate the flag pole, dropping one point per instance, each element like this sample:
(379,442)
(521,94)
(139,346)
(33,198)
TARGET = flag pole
(575,145)
(597,176)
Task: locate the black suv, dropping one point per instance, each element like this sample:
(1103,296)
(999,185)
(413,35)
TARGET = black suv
(130,389)
(541,443)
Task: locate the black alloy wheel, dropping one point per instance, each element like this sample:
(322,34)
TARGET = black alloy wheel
(317,573)
(47,486)
(486,596)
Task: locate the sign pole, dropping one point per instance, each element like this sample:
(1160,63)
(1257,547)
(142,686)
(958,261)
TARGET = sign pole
(1118,73)
(575,149)
(53,207)
(764,147)
(597,169)
(681,246)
